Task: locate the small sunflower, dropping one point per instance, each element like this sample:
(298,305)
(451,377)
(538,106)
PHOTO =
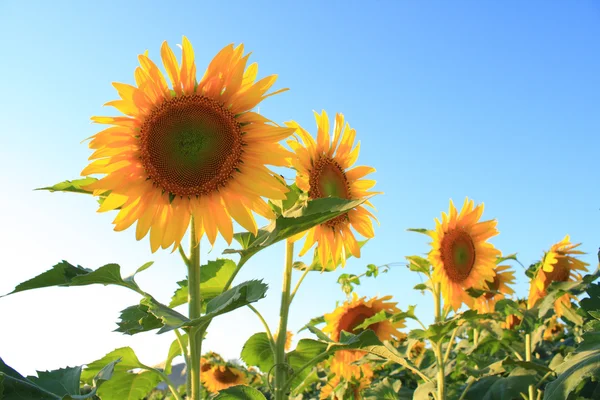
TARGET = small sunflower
(352,314)
(353,391)
(323,169)
(195,150)
(558,265)
(416,350)
(497,290)
(554,329)
(221,377)
(461,256)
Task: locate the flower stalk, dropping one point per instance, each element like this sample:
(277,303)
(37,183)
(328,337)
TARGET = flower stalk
(195,333)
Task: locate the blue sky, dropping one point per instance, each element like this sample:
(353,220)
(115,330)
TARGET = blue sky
(495,101)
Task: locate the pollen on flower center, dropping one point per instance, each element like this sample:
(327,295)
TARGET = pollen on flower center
(328,179)
(457,252)
(190,145)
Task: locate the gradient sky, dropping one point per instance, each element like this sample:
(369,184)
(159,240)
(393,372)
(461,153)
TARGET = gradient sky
(497,101)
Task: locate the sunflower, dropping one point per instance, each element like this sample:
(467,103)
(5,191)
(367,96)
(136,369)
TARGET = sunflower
(558,265)
(511,322)
(221,377)
(347,318)
(354,389)
(496,290)
(554,329)
(323,169)
(416,350)
(195,150)
(460,255)
(288,339)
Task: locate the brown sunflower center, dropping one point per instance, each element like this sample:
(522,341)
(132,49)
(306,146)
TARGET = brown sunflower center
(328,179)
(190,145)
(561,271)
(458,254)
(225,375)
(354,317)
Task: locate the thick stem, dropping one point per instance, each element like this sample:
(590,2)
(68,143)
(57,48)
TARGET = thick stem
(195,309)
(475,337)
(437,300)
(441,388)
(528,358)
(281,370)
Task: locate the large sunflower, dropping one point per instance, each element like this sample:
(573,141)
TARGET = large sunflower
(460,255)
(221,377)
(323,169)
(496,290)
(195,150)
(348,317)
(558,265)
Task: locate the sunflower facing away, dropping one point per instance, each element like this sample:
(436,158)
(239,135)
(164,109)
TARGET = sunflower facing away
(350,315)
(558,265)
(497,290)
(460,255)
(221,377)
(193,150)
(324,169)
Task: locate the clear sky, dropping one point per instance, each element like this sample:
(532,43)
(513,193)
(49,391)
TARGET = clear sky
(493,100)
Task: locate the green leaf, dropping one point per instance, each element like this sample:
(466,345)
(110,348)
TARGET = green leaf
(129,386)
(512,257)
(234,298)
(174,351)
(424,390)
(320,334)
(385,390)
(61,381)
(293,196)
(557,289)
(418,264)
(17,387)
(421,286)
(379,317)
(123,359)
(420,230)
(65,274)
(510,387)
(292,222)
(136,319)
(582,364)
(305,351)
(74,186)
(314,321)
(316,262)
(257,351)
(240,392)
(410,313)
(213,278)
(170,318)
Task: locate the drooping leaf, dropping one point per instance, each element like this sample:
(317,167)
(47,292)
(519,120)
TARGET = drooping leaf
(240,392)
(123,359)
(129,386)
(292,222)
(257,352)
(136,319)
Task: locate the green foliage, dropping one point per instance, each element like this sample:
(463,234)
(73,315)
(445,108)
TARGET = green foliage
(74,186)
(240,392)
(174,351)
(134,386)
(258,352)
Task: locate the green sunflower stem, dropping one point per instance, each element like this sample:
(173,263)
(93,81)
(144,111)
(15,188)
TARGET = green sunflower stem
(528,359)
(441,384)
(195,309)
(281,369)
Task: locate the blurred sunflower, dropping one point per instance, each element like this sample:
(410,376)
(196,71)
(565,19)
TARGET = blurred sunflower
(416,350)
(323,169)
(460,255)
(353,390)
(496,290)
(553,329)
(196,150)
(221,377)
(558,265)
(511,322)
(348,317)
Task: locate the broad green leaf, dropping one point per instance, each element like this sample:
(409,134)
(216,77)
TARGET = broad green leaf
(62,382)
(592,303)
(174,351)
(213,278)
(168,317)
(17,387)
(424,390)
(65,274)
(528,365)
(582,364)
(74,186)
(234,298)
(510,387)
(293,197)
(240,392)
(385,390)
(418,264)
(292,222)
(257,351)
(305,351)
(127,360)
(136,319)
(316,264)
(129,386)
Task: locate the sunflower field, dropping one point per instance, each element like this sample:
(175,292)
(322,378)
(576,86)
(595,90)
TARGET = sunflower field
(190,157)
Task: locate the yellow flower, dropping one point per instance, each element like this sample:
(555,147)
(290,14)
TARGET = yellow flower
(323,169)
(354,390)
(352,314)
(460,255)
(497,290)
(554,329)
(196,150)
(558,265)
(512,321)
(416,350)
(288,339)
(221,377)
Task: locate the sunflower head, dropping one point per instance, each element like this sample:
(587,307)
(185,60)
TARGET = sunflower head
(221,377)
(325,169)
(554,329)
(496,290)
(189,148)
(347,318)
(461,256)
(559,264)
